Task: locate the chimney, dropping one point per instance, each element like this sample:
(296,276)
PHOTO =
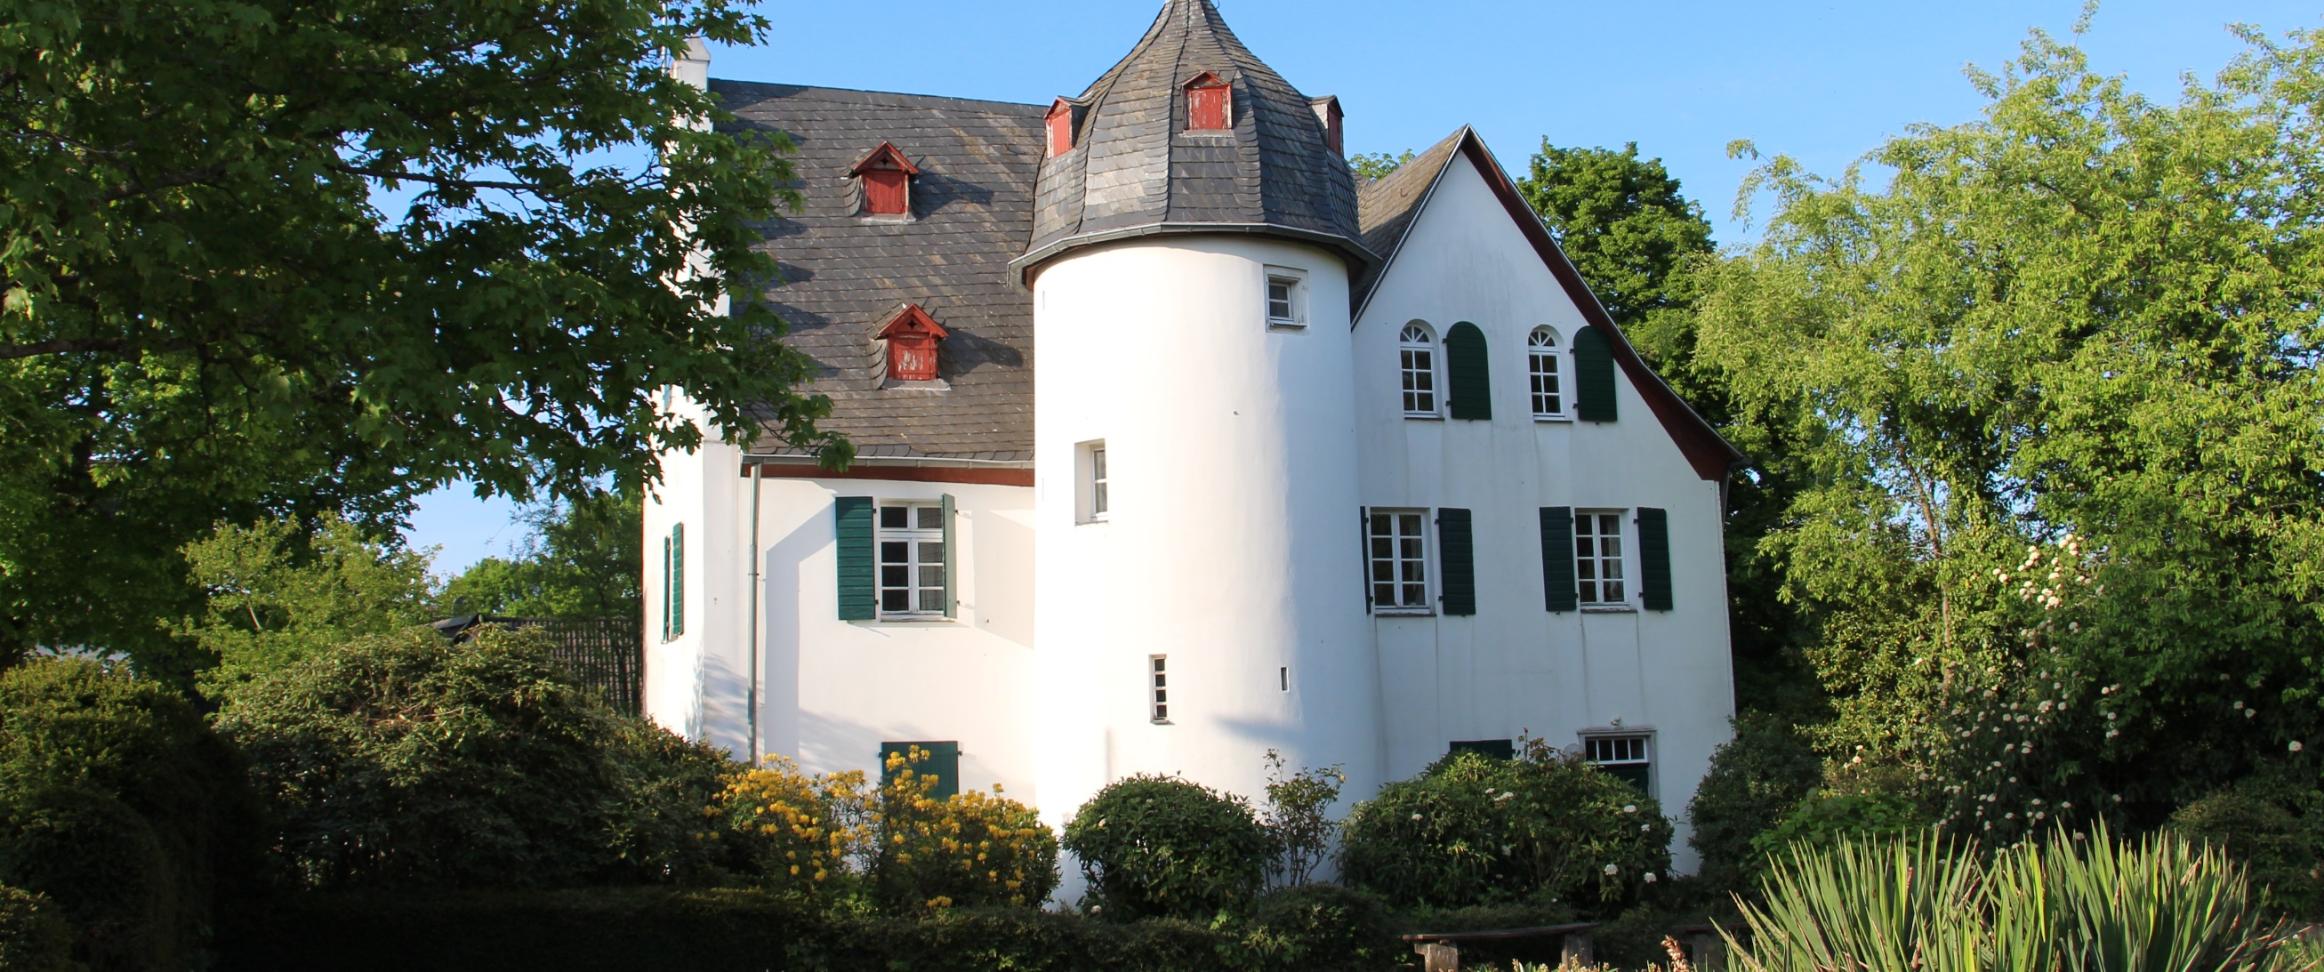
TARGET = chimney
(693,67)
(1327,111)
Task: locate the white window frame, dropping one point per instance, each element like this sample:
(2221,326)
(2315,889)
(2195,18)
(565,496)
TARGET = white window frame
(1293,312)
(1421,527)
(1158,688)
(1590,586)
(916,538)
(1553,356)
(1419,355)
(1093,493)
(1613,747)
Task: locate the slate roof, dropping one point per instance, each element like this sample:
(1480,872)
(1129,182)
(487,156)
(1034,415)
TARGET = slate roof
(845,276)
(1135,169)
(1387,204)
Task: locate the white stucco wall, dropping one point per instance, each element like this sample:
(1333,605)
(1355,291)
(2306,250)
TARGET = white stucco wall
(1515,667)
(1231,544)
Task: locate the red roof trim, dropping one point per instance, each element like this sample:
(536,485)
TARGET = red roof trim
(892,155)
(911,318)
(957,475)
(1711,455)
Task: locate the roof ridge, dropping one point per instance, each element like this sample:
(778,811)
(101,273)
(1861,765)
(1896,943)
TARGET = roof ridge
(916,96)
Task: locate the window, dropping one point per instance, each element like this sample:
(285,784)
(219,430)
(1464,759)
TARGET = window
(1159,684)
(938,760)
(911,545)
(1598,557)
(1208,108)
(1630,757)
(911,336)
(1541,370)
(1416,361)
(1097,483)
(1399,558)
(1060,122)
(1093,492)
(674,583)
(887,181)
(1489,748)
(1286,298)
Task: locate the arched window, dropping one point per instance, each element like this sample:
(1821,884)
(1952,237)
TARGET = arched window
(1543,374)
(1416,362)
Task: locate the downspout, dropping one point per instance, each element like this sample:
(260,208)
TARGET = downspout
(757,643)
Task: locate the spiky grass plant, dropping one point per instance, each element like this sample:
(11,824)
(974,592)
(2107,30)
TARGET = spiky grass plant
(2067,904)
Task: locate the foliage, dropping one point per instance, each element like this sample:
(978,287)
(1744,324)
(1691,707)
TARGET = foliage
(1829,816)
(122,807)
(33,936)
(1754,782)
(581,559)
(1623,223)
(1322,928)
(2071,900)
(970,849)
(662,784)
(1377,164)
(1155,845)
(2272,823)
(264,257)
(275,594)
(2086,315)
(406,761)
(1545,826)
(807,837)
(1297,819)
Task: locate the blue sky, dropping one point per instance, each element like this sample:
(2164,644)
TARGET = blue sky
(1824,82)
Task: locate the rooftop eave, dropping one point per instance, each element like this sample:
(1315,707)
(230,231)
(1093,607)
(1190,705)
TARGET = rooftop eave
(1348,249)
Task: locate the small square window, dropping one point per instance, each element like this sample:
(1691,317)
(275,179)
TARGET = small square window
(1286,298)
(1629,756)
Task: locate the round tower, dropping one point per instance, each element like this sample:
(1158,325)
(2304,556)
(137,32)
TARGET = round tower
(1199,593)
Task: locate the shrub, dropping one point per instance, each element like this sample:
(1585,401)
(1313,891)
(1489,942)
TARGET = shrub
(1322,928)
(2080,902)
(805,837)
(1544,827)
(967,850)
(661,785)
(33,936)
(1153,845)
(1754,782)
(1298,819)
(1827,817)
(406,761)
(121,807)
(2274,825)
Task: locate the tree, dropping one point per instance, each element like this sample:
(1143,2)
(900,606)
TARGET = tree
(2087,324)
(582,560)
(262,258)
(1377,164)
(277,595)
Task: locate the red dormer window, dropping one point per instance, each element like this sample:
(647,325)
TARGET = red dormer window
(912,337)
(1207,107)
(887,181)
(1060,128)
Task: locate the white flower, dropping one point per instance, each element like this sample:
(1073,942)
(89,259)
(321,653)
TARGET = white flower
(1613,869)
(1650,878)
(1097,909)
(1505,797)
(1629,808)
(1416,816)
(2296,747)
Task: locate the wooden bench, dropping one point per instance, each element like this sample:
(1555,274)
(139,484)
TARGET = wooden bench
(1441,951)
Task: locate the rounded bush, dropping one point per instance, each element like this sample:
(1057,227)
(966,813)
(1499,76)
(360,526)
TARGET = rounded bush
(1164,846)
(1754,781)
(803,836)
(1543,827)
(2273,825)
(1826,817)
(105,868)
(966,850)
(1323,928)
(33,935)
(661,784)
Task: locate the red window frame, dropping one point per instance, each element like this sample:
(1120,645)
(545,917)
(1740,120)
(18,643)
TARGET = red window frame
(1209,107)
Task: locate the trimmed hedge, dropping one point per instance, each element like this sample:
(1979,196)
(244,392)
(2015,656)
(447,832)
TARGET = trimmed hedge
(699,931)
(1163,846)
(33,936)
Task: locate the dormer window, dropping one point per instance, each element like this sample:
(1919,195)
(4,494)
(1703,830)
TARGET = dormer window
(1207,106)
(912,337)
(1060,128)
(887,181)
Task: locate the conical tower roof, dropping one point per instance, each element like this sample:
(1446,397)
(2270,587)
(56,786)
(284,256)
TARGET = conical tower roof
(1135,168)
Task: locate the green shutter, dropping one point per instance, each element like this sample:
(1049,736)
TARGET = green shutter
(1457,549)
(942,762)
(1364,552)
(1640,776)
(1468,373)
(858,596)
(1654,558)
(1593,376)
(665,588)
(951,562)
(1557,559)
(678,580)
(1488,748)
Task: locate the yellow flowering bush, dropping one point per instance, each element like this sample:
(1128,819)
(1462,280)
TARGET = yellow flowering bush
(965,850)
(806,835)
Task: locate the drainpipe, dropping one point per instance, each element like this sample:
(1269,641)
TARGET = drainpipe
(757,643)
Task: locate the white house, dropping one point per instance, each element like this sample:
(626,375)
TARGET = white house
(1178,446)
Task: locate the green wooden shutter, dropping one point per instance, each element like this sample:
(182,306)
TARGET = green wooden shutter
(1654,558)
(858,595)
(678,580)
(1456,548)
(942,762)
(1557,559)
(1364,552)
(951,562)
(1593,376)
(1488,748)
(665,588)
(1469,373)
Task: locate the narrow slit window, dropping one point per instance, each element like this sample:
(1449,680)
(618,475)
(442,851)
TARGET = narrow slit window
(1159,685)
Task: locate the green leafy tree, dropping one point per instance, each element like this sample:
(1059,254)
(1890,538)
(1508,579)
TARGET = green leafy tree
(2087,323)
(581,560)
(278,594)
(1368,166)
(263,257)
